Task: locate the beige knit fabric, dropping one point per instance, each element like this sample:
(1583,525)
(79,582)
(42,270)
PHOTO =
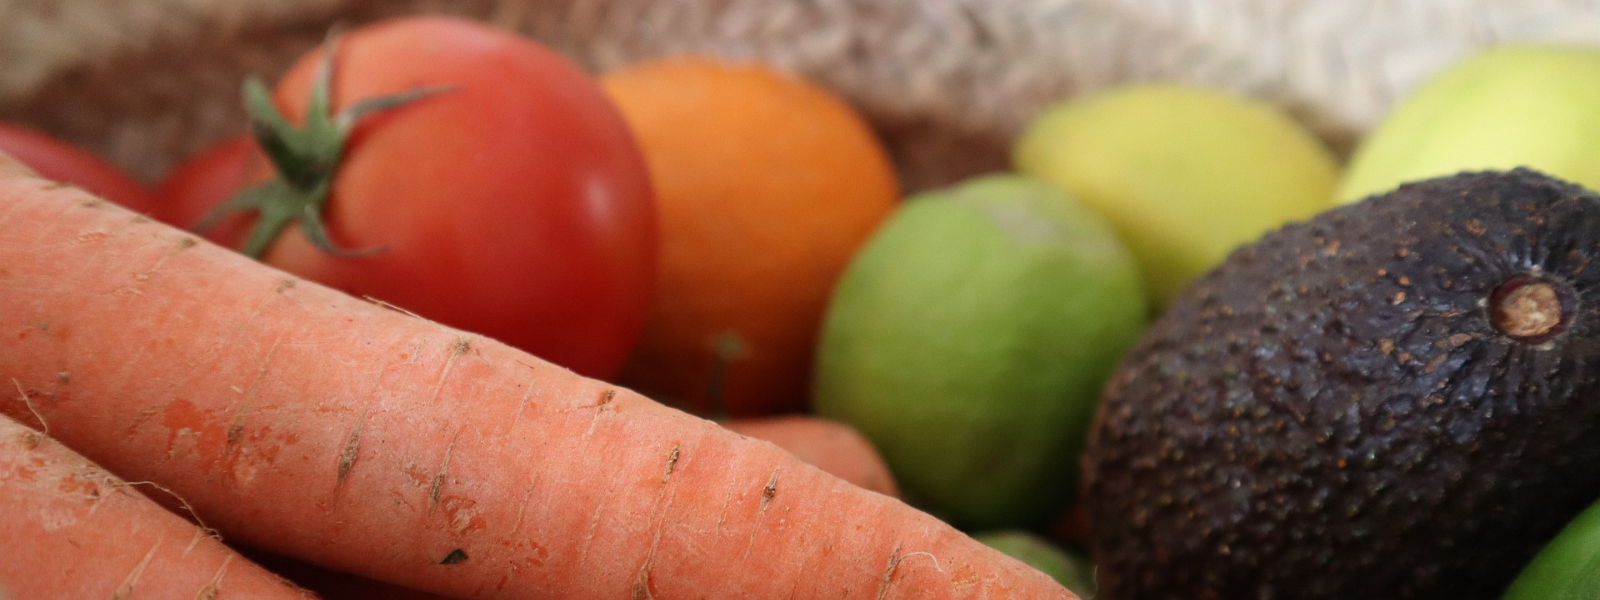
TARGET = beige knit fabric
(948,82)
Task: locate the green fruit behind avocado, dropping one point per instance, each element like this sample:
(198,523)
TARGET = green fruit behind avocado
(1395,399)
(969,340)
(1072,571)
(1568,568)
(1506,107)
(1184,174)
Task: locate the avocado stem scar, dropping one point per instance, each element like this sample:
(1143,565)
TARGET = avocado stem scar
(1529,309)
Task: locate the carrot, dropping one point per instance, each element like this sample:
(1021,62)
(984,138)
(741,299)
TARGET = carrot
(834,447)
(312,424)
(334,585)
(73,530)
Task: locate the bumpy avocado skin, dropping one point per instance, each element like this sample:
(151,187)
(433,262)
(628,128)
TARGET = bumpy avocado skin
(1331,413)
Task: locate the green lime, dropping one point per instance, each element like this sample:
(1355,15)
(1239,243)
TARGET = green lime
(969,340)
(1071,570)
(1568,568)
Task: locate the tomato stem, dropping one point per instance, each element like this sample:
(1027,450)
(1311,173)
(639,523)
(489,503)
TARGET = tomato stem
(725,349)
(305,159)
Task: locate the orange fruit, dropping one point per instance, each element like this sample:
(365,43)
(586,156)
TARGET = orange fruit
(766,186)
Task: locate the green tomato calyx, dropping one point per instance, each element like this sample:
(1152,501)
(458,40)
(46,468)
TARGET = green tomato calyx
(306,160)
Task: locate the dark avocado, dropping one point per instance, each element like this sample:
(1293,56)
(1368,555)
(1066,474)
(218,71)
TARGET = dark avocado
(1398,398)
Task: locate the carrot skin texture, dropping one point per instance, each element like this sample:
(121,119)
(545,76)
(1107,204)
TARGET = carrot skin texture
(834,447)
(311,424)
(73,530)
(334,585)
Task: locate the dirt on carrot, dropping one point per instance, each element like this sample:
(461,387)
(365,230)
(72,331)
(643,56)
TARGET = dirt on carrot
(308,423)
(74,530)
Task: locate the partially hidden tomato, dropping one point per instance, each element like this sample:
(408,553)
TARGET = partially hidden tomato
(207,179)
(60,161)
(506,196)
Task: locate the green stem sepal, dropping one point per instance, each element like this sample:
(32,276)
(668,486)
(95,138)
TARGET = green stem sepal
(305,160)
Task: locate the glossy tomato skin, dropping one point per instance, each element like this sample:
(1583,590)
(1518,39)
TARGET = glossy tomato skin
(206,179)
(515,205)
(57,160)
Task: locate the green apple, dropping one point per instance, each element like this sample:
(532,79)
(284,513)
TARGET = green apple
(1505,107)
(1568,568)
(969,340)
(1185,174)
(1071,570)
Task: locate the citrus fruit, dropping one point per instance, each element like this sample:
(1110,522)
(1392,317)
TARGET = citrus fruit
(1512,106)
(1070,569)
(1185,174)
(969,340)
(766,185)
(1568,568)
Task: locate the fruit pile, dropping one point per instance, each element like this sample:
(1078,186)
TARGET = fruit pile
(1179,349)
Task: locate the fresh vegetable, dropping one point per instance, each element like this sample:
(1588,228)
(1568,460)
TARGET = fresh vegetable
(54,159)
(73,530)
(210,177)
(1393,399)
(334,585)
(1071,569)
(1510,106)
(969,341)
(316,425)
(1185,174)
(828,445)
(767,185)
(486,183)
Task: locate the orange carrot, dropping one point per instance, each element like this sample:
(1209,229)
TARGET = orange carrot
(334,585)
(828,445)
(308,423)
(72,530)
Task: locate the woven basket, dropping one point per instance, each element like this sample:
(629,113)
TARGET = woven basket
(948,83)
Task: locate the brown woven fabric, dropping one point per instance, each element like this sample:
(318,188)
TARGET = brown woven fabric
(145,83)
(948,82)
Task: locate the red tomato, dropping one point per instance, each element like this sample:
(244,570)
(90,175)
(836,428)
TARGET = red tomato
(515,205)
(205,180)
(57,160)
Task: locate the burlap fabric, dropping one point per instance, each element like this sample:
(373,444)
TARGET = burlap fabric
(948,82)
